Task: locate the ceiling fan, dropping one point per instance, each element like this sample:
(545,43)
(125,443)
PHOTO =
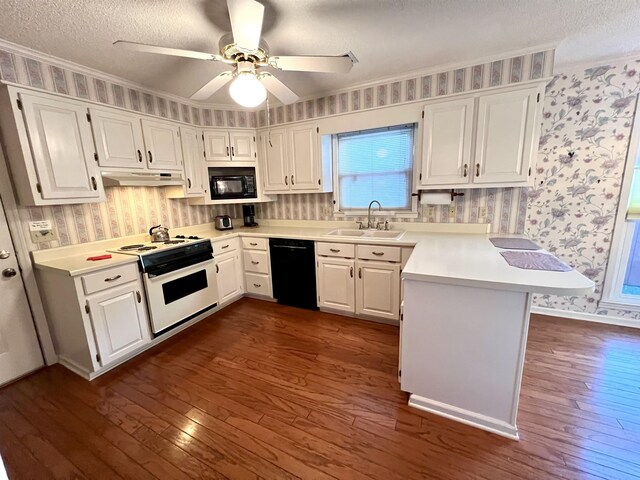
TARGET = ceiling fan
(244,49)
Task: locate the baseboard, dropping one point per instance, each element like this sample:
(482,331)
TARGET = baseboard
(587,317)
(467,417)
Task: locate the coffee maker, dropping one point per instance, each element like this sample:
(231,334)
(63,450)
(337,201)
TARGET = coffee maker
(249,214)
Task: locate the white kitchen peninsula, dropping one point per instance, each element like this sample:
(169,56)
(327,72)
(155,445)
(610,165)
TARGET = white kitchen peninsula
(464,328)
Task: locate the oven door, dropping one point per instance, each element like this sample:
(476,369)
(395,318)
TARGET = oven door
(227,187)
(177,295)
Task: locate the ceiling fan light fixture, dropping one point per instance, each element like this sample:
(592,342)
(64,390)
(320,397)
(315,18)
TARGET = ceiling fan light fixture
(247,90)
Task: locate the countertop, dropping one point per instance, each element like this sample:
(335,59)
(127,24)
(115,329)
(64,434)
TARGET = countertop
(451,258)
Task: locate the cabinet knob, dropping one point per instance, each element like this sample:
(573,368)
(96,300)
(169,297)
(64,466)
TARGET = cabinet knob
(477,169)
(286,180)
(188,183)
(359,273)
(217,269)
(150,156)
(4,254)
(139,156)
(9,272)
(138,296)
(351,272)
(94,183)
(465,170)
(233,151)
(227,151)
(292,183)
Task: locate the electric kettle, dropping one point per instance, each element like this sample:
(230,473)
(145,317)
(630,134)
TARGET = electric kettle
(159,233)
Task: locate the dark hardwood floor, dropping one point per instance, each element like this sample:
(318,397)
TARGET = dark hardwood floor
(266,391)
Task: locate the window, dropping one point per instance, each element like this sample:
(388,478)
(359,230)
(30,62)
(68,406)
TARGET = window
(375,165)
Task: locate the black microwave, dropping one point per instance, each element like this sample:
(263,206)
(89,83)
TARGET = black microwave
(233,186)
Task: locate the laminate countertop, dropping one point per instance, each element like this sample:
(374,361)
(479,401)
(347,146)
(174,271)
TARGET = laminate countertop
(449,258)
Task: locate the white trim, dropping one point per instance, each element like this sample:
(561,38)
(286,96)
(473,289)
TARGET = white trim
(622,233)
(586,317)
(467,417)
(596,62)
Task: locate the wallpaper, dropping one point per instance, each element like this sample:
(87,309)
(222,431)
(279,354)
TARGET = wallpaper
(583,147)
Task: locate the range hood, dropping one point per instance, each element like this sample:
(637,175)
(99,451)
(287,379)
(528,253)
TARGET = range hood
(141,179)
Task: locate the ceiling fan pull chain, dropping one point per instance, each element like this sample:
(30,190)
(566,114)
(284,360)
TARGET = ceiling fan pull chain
(269,124)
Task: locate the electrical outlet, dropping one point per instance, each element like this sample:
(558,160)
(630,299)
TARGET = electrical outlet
(482,212)
(452,211)
(431,211)
(327,211)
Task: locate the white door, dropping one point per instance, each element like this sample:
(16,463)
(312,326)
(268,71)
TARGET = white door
(229,275)
(162,142)
(216,146)
(119,321)
(378,289)
(19,349)
(243,146)
(336,284)
(193,162)
(118,139)
(304,158)
(447,140)
(505,136)
(275,161)
(62,147)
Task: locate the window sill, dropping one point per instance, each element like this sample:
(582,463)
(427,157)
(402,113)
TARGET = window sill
(620,304)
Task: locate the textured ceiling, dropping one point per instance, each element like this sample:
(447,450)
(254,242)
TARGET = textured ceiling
(388,37)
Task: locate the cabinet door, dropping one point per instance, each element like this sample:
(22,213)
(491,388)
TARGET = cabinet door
(216,146)
(505,136)
(229,274)
(162,142)
(447,140)
(243,146)
(118,138)
(378,289)
(193,162)
(336,284)
(304,158)
(275,161)
(62,148)
(119,321)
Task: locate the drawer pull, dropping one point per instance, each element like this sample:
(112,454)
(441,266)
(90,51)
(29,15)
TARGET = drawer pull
(225,246)
(477,169)
(113,279)
(150,156)
(138,296)
(334,250)
(254,262)
(465,170)
(139,156)
(378,254)
(359,273)
(257,285)
(217,269)
(253,244)
(94,183)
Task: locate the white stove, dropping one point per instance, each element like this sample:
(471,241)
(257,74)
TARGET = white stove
(153,247)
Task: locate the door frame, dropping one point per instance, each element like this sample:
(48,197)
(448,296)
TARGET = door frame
(21,247)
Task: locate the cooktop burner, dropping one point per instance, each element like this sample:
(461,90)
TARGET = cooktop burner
(131,247)
(144,248)
(173,242)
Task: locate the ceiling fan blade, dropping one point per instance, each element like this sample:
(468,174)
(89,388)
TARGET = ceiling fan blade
(246,22)
(176,52)
(340,64)
(212,86)
(279,89)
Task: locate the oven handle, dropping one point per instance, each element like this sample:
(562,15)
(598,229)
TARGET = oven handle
(181,270)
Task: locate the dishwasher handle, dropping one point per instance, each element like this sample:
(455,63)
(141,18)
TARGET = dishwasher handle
(291,247)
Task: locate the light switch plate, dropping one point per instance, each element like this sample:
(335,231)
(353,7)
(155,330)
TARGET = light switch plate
(482,212)
(42,231)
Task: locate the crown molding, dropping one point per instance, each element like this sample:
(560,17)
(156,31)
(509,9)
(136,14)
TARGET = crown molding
(581,65)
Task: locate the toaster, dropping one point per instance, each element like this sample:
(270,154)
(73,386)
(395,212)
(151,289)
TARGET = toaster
(223,222)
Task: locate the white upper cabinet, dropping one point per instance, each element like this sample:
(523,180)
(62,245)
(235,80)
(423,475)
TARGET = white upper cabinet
(275,164)
(194,169)
(293,161)
(243,146)
(447,136)
(481,140)
(118,139)
(304,154)
(229,145)
(61,166)
(162,142)
(505,140)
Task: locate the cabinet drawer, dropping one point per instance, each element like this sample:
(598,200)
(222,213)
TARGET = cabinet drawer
(378,252)
(225,246)
(258,283)
(255,261)
(255,243)
(345,250)
(112,277)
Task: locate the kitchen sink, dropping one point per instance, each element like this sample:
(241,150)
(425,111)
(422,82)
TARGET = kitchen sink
(341,232)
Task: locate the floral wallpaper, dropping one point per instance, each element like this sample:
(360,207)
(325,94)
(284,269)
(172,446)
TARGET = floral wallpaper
(583,147)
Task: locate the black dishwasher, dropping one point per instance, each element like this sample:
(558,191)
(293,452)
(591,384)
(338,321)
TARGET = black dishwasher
(293,272)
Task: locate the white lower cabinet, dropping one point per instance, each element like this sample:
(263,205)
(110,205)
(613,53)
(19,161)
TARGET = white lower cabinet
(229,274)
(336,286)
(349,281)
(119,321)
(378,289)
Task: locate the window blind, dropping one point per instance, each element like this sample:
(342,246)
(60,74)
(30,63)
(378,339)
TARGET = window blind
(375,165)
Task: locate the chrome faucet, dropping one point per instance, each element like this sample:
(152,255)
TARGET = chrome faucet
(369,224)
